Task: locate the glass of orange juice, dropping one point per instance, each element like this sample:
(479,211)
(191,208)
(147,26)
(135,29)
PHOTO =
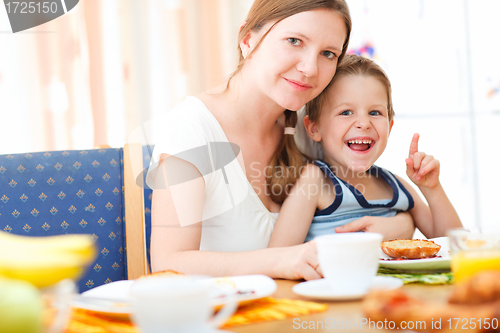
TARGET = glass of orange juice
(473,252)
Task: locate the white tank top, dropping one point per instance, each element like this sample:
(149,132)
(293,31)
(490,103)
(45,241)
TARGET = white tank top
(234,218)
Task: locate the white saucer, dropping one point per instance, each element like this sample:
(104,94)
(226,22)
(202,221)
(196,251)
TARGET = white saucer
(320,289)
(114,297)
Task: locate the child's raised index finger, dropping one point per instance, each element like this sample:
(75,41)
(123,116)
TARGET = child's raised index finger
(414,144)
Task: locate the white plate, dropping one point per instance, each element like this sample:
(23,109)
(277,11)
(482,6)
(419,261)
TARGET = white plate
(245,287)
(320,289)
(114,297)
(428,264)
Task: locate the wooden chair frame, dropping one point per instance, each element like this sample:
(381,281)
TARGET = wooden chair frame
(135,228)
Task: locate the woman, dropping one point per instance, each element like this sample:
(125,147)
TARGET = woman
(289,53)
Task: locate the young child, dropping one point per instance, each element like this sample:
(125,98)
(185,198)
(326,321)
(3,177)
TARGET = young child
(352,119)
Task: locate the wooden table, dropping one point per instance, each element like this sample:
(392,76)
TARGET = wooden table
(338,313)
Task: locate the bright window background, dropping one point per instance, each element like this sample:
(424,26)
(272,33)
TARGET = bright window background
(440,57)
(95,75)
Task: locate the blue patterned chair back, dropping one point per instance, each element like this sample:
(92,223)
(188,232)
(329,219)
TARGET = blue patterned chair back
(68,192)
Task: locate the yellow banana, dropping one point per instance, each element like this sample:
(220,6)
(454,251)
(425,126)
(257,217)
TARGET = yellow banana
(81,244)
(44,261)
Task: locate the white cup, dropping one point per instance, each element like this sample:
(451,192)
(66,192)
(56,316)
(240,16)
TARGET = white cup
(164,304)
(349,261)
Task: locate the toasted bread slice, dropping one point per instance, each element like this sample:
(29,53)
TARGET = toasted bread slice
(410,248)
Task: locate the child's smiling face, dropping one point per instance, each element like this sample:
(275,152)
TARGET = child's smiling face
(354,126)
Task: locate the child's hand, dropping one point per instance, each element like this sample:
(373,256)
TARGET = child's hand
(422,169)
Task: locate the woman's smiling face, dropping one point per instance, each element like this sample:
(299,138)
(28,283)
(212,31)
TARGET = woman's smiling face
(297,58)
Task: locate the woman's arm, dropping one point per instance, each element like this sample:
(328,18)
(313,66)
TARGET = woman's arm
(297,211)
(175,239)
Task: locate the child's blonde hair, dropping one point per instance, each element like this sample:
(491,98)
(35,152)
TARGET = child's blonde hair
(285,165)
(351,65)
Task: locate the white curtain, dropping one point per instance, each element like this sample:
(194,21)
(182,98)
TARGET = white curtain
(89,78)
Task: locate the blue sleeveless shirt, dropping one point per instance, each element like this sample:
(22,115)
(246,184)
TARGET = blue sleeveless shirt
(350,204)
